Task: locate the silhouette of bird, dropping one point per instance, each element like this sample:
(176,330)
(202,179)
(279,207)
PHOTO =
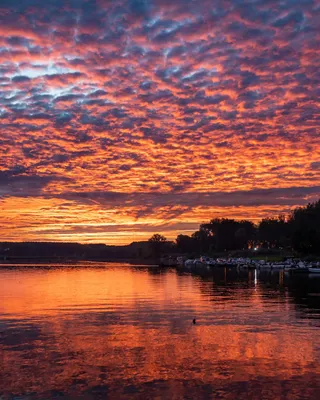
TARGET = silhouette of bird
(194,321)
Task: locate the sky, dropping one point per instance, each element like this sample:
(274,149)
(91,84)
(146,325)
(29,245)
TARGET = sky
(123,118)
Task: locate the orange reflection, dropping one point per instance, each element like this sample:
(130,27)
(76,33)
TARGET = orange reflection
(106,327)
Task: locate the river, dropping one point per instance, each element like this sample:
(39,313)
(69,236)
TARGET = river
(115,331)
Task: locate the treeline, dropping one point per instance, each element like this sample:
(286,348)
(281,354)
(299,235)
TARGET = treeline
(298,231)
(51,251)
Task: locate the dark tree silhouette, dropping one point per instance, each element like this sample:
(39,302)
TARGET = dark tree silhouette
(157,243)
(275,232)
(305,227)
(157,238)
(299,231)
(185,244)
(228,234)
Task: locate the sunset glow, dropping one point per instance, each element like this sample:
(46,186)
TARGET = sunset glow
(90,314)
(123,118)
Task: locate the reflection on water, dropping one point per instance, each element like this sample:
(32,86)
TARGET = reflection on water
(116,331)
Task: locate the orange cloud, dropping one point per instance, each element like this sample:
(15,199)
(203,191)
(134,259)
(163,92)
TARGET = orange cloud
(168,99)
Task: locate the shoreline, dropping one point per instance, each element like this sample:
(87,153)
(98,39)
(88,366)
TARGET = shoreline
(52,261)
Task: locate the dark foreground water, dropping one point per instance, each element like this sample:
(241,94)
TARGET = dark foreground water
(118,332)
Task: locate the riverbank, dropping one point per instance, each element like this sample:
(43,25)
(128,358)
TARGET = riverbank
(72,261)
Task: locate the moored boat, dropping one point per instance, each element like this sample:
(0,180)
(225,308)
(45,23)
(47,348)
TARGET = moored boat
(194,263)
(314,270)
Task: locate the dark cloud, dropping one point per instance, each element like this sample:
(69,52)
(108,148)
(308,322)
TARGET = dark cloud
(153,201)
(20,79)
(139,7)
(98,93)
(69,97)
(160,95)
(206,100)
(315,165)
(18,41)
(222,144)
(64,118)
(19,182)
(295,17)
(155,134)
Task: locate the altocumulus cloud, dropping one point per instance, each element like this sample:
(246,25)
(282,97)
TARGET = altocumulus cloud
(144,111)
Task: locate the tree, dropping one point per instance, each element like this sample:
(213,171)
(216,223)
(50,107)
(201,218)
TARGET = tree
(201,240)
(157,243)
(305,226)
(241,238)
(228,234)
(275,232)
(185,243)
(157,238)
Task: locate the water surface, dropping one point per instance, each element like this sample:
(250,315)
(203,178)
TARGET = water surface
(117,331)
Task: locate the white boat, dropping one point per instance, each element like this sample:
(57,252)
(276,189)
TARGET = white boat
(198,263)
(189,263)
(314,270)
(264,266)
(180,261)
(277,266)
(194,263)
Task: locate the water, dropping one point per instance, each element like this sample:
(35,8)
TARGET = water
(118,332)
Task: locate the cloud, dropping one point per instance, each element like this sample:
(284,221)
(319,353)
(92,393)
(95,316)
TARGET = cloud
(20,79)
(18,182)
(294,17)
(182,199)
(161,97)
(315,165)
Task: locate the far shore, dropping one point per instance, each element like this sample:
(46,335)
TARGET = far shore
(59,260)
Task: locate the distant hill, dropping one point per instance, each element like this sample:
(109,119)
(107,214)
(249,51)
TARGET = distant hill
(72,251)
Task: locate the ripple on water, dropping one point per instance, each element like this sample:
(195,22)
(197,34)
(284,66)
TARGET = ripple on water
(123,332)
